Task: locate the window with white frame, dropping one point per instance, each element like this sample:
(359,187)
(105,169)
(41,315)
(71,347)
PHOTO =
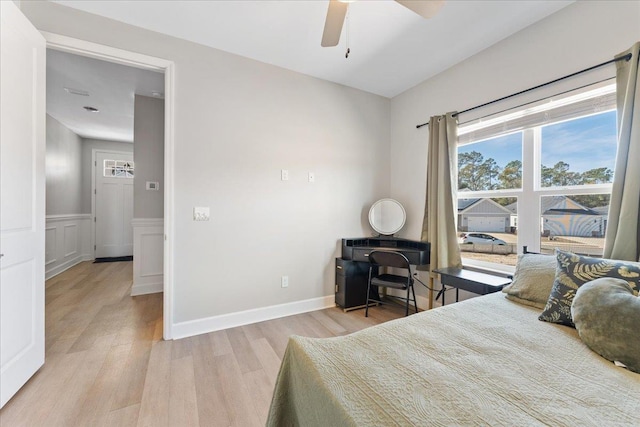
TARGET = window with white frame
(118,169)
(538,177)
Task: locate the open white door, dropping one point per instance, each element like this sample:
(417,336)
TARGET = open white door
(114,204)
(22,189)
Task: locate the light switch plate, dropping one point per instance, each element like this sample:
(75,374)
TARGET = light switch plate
(284,175)
(201,214)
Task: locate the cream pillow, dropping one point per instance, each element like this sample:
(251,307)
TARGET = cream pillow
(533,280)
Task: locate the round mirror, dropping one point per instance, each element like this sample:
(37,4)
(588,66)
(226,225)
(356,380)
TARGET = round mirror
(387,216)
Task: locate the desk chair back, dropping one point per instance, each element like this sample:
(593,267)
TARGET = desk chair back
(393,259)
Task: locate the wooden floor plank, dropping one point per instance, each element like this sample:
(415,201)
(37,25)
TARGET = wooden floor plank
(183,402)
(240,406)
(66,410)
(212,411)
(246,358)
(220,343)
(154,406)
(268,359)
(98,400)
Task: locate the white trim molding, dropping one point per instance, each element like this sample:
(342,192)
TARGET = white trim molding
(148,244)
(232,320)
(67,242)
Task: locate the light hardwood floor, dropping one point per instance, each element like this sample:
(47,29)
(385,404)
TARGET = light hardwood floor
(107,365)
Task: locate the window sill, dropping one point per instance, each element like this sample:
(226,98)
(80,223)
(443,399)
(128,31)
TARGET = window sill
(488,267)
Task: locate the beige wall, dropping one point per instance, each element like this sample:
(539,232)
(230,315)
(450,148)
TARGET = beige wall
(577,37)
(238,122)
(148,154)
(63,169)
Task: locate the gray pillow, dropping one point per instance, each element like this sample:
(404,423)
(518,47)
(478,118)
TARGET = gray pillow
(574,271)
(532,280)
(607,316)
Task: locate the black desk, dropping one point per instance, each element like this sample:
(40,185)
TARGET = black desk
(472,281)
(358,249)
(352,269)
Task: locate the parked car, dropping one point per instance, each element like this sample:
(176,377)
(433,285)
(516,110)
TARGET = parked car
(480,239)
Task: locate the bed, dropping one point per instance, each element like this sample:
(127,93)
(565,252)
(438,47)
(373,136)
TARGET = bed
(487,361)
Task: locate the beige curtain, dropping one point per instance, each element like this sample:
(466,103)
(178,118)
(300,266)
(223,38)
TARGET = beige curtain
(438,227)
(622,240)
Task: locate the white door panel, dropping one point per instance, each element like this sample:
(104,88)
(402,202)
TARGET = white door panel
(114,209)
(22,187)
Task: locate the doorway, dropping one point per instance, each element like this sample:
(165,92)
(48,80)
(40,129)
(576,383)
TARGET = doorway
(137,60)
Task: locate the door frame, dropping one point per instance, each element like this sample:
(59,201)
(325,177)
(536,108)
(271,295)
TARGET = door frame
(94,168)
(138,60)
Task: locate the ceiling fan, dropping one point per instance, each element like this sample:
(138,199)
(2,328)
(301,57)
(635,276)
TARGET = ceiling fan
(338,10)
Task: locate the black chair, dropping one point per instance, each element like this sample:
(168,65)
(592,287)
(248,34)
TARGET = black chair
(397,260)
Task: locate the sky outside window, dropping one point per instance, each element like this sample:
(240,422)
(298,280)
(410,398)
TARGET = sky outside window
(489,164)
(582,150)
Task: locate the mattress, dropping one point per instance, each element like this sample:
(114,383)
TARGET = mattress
(486,361)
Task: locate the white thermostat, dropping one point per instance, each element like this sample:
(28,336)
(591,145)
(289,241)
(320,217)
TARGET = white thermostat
(153,185)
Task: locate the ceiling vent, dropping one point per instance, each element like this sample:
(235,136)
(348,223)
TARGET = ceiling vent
(91,109)
(76,91)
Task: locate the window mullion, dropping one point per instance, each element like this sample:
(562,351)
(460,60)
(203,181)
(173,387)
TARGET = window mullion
(529,201)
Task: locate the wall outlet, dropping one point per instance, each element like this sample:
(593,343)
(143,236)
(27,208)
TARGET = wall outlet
(201,214)
(284,175)
(285,281)
(312,177)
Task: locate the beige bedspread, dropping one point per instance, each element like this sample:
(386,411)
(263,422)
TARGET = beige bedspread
(482,362)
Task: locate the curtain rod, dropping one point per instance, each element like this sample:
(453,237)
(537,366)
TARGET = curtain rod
(626,57)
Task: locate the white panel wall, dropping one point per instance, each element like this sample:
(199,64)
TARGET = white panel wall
(67,242)
(148,245)
(577,37)
(238,122)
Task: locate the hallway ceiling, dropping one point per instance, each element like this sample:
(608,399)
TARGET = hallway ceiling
(392,48)
(111,89)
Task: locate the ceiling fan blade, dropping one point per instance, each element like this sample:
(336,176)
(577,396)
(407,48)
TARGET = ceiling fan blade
(426,9)
(333,25)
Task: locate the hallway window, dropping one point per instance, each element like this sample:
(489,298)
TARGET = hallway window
(118,169)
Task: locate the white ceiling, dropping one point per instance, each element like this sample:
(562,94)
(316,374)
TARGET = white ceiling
(392,48)
(111,89)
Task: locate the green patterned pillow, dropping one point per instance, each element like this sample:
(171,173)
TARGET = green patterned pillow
(573,271)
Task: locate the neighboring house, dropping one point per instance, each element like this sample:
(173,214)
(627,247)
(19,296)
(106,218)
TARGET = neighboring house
(483,215)
(562,216)
(603,211)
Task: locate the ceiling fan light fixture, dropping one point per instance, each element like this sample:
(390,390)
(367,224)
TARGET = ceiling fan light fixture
(337,12)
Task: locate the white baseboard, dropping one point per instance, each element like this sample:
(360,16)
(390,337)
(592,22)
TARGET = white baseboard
(232,320)
(147,288)
(66,265)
